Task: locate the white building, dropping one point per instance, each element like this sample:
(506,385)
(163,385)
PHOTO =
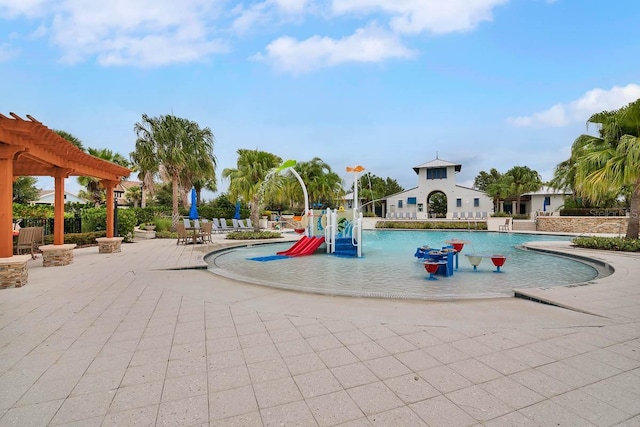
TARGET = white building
(46,197)
(437,176)
(545,201)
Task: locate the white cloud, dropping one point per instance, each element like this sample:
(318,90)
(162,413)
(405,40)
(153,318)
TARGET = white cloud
(267,11)
(416,16)
(594,101)
(117,32)
(369,44)
(29,8)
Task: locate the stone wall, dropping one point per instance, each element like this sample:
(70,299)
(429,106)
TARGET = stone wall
(14,273)
(583,224)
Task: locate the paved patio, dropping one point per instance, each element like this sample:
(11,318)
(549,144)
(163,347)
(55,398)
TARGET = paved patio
(126,340)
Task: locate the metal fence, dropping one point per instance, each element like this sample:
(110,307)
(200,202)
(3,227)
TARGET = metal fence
(71,225)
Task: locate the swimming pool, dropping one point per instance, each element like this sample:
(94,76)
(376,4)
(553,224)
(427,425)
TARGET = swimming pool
(389,269)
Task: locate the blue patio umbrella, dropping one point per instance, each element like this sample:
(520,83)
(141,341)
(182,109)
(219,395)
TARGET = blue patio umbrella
(236,215)
(193,213)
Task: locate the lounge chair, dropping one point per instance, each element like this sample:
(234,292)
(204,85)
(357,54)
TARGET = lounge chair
(414,215)
(478,215)
(484,215)
(196,223)
(505,227)
(249,224)
(186,222)
(469,215)
(462,216)
(215,226)
(242,225)
(456,215)
(223,225)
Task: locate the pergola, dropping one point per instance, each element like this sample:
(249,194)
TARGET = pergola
(28,148)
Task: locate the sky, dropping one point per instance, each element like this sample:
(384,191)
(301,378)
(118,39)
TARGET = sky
(386,84)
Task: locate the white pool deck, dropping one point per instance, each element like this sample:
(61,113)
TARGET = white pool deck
(123,340)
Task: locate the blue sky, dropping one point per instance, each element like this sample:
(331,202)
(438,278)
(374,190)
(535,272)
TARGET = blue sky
(385,84)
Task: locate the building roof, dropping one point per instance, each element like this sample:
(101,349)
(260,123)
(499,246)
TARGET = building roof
(547,191)
(437,163)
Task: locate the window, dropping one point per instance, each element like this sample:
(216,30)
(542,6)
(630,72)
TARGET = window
(399,204)
(420,207)
(547,200)
(437,173)
(476,202)
(411,201)
(458,203)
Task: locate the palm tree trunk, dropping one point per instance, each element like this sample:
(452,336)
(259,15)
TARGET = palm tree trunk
(255,213)
(634,216)
(174,207)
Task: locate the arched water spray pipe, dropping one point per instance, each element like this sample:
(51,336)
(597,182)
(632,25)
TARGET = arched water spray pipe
(289,164)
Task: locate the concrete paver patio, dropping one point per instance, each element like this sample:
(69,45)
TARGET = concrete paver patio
(130,339)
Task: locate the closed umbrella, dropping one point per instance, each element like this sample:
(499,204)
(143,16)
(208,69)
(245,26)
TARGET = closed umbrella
(193,213)
(236,215)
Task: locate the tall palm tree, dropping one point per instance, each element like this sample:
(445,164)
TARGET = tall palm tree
(524,180)
(611,162)
(178,145)
(246,179)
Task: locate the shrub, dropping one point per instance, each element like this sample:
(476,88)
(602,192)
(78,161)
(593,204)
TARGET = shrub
(608,243)
(253,235)
(80,239)
(432,225)
(95,219)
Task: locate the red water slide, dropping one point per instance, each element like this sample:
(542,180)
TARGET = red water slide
(303,240)
(312,245)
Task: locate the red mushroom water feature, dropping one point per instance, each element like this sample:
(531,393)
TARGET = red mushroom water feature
(431,268)
(498,261)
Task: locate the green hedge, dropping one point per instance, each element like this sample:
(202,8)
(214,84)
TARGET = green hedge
(80,239)
(95,219)
(608,243)
(432,225)
(253,235)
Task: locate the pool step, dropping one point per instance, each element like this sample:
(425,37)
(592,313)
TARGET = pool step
(344,247)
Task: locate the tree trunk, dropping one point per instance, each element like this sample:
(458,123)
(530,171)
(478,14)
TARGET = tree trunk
(174,207)
(634,216)
(255,213)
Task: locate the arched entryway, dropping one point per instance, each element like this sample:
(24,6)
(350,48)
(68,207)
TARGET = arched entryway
(437,204)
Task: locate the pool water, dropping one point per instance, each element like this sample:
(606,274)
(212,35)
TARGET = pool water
(389,268)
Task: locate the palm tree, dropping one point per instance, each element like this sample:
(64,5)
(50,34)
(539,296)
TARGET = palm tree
(95,190)
(499,190)
(72,139)
(524,180)
(611,162)
(247,178)
(177,145)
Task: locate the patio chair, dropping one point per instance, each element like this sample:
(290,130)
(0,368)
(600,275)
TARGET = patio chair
(249,224)
(469,215)
(505,227)
(215,226)
(182,233)
(196,223)
(186,222)
(414,215)
(484,215)
(29,239)
(205,232)
(478,215)
(456,215)
(462,216)
(242,225)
